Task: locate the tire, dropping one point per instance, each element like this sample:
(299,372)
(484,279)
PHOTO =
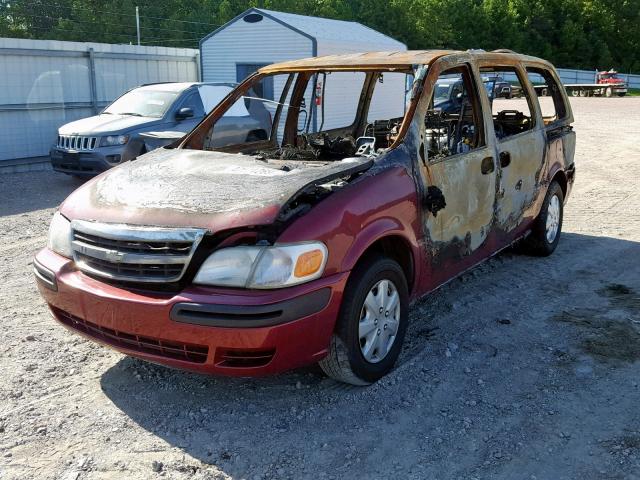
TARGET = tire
(621,94)
(540,242)
(346,360)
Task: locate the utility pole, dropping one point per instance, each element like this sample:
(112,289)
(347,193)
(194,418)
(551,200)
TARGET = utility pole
(138,23)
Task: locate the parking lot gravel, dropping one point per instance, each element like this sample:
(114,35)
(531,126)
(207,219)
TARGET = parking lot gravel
(524,368)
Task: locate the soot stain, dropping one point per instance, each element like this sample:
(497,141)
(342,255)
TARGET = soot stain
(607,340)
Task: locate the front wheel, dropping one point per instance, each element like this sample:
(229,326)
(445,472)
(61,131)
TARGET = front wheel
(371,324)
(545,234)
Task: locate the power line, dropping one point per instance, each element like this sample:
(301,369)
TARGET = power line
(163,29)
(59,29)
(167,40)
(130,37)
(123,14)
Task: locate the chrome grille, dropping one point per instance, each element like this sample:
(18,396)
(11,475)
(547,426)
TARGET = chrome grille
(76,142)
(133,254)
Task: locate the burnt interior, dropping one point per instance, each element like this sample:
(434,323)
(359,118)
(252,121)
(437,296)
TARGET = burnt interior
(298,126)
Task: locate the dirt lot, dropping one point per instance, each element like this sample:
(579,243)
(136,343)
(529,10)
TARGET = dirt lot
(524,368)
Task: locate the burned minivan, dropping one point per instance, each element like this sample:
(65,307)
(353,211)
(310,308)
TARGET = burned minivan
(308,245)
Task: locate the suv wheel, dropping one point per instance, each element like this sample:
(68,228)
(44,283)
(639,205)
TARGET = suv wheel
(371,325)
(545,234)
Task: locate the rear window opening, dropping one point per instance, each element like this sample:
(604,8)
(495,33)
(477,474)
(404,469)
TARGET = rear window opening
(511,105)
(318,116)
(549,95)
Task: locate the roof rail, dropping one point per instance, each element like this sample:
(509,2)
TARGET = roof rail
(502,50)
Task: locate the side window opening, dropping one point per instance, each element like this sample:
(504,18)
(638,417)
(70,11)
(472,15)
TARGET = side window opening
(510,103)
(453,121)
(386,109)
(549,94)
(342,94)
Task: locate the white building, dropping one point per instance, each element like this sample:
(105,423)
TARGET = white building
(260,37)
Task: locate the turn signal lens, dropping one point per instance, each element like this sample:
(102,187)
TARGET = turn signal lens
(309,263)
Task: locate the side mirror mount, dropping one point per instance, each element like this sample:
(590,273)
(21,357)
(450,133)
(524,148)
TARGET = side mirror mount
(184,113)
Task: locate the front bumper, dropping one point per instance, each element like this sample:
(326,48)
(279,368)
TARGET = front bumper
(207,330)
(91,162)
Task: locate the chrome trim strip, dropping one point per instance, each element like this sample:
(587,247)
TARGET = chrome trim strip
(136,233)
(114,256)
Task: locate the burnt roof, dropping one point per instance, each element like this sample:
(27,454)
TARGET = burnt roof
(396,59)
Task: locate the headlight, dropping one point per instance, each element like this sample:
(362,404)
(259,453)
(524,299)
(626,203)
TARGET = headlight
(264,267)
(112,140)
(60,236)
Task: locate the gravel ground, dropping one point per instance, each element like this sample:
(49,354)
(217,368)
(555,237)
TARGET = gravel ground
(524,368)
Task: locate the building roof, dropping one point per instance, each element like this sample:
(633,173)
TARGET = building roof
(397,59)
(319,29)
(330,29)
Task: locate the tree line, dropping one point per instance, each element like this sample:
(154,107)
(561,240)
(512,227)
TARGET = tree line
(585,34)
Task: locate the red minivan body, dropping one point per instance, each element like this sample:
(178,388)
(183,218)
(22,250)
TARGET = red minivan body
(307,243)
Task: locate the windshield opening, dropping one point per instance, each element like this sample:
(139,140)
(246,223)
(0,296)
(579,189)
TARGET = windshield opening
(311,115)
(142,102)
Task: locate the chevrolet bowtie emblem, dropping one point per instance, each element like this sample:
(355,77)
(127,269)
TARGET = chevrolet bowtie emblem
(114,256)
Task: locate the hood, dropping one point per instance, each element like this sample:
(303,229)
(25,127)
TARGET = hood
(194,188)
(103,124)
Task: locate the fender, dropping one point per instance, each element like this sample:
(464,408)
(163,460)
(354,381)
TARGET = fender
(375,231)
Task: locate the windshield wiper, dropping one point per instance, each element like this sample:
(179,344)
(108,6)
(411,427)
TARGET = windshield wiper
(134,114)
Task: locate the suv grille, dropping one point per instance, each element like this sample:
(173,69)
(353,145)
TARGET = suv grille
(74,142)
(133,254)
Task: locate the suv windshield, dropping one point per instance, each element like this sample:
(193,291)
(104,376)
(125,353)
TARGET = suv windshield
(142,102)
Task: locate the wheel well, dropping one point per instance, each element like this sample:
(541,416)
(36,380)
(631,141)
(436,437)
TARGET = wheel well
(561,178)
(257,134)
(396,248)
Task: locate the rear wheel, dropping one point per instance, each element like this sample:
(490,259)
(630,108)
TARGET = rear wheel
(371,325)
(546,230)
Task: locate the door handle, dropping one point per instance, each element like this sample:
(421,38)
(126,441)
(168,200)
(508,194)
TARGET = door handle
(486,166)
(505,159)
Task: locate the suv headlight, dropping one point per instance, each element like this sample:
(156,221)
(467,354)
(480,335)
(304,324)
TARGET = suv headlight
(111,140)
(60,236)
(264,267)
